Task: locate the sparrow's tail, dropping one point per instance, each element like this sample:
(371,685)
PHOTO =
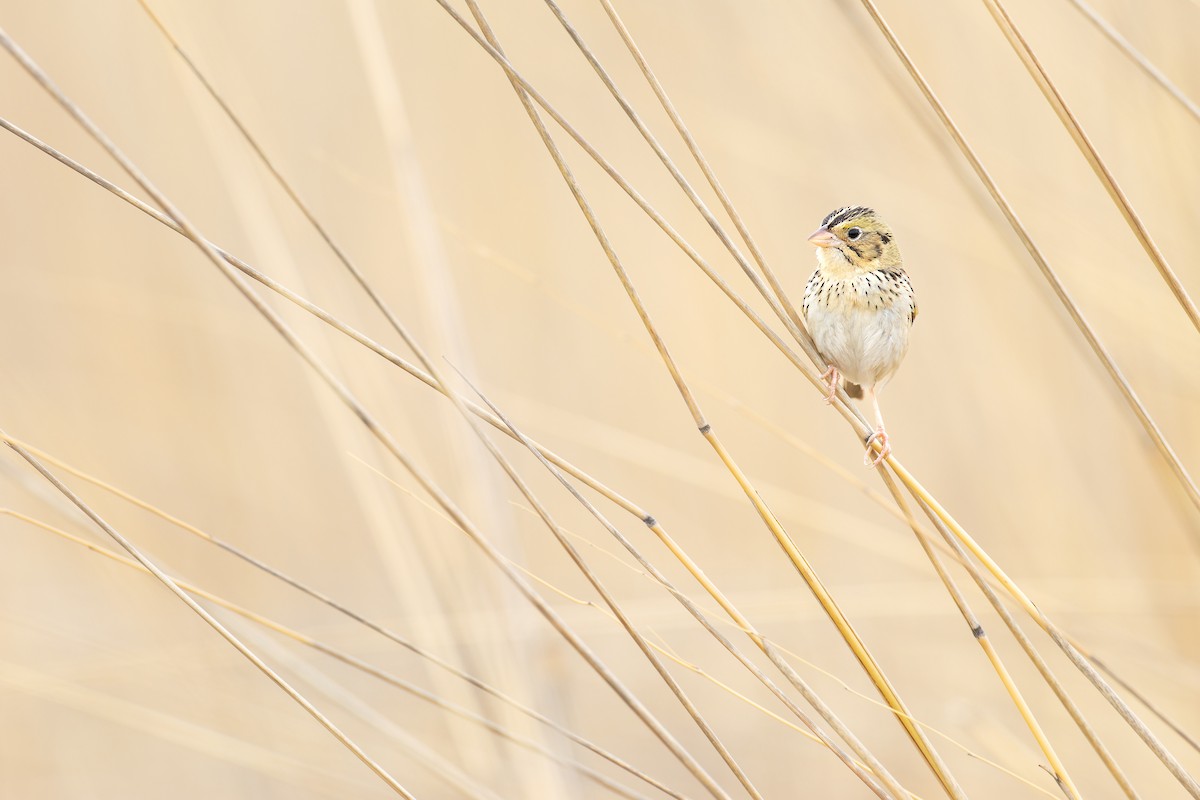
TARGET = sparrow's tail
(853,389)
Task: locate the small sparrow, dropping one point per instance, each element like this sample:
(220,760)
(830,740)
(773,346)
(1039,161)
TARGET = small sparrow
(859,307)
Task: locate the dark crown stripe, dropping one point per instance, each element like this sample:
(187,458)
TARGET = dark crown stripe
(845,214)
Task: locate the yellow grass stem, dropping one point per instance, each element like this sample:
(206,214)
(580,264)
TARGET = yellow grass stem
(1043,668)
(888,780)
(839,620)
(1077,658)
(954,550)
(753,633)
(620,615)
(1059,771)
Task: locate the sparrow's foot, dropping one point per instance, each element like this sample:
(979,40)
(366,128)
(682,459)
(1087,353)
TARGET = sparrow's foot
(831,378)
(885,448)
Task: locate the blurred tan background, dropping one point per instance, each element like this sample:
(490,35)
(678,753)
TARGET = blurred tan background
(126,354)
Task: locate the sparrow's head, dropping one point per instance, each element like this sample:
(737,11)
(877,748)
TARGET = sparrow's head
(855,237)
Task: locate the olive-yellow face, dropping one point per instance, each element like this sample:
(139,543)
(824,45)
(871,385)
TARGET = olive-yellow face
(859,236)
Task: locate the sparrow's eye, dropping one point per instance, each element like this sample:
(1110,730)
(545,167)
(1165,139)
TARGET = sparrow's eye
(853,233)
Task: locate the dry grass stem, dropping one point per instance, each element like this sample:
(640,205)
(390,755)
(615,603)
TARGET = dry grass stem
(1073,653)
(813,377)
(1105,176)
(296,774)
(1151,741)
(347,397)
(1149,425)
(806,691)
(805,569)
(357,664)
(1188,483)
(484,414)
(774,647)
(333,604)
(1134,55)
(622,618)
(796,326)
(1058,770)
(175,589)
(666,160)
(1035,657)
(388,135)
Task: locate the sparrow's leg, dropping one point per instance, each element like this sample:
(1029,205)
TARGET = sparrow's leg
(880,435)
(831,378)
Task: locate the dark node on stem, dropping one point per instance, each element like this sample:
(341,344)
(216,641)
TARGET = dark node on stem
(977,631)
(650,521)
(705,428)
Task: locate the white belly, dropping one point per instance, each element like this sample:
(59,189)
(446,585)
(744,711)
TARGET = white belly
(865,344)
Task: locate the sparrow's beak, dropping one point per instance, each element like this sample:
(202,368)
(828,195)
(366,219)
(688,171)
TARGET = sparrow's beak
(823,237)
